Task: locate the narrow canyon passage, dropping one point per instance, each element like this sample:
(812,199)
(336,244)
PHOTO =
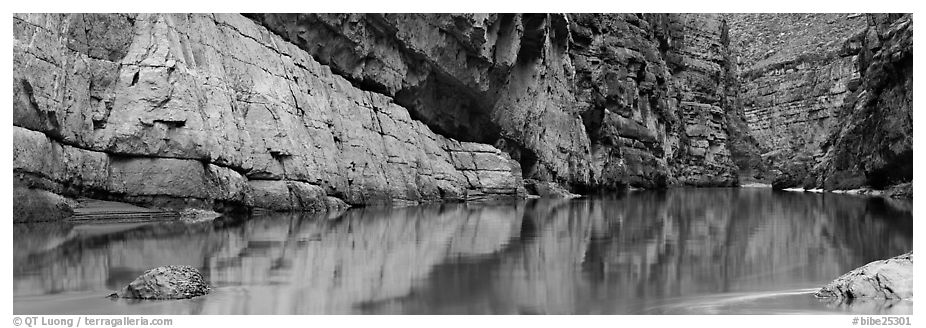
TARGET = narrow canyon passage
(543,163)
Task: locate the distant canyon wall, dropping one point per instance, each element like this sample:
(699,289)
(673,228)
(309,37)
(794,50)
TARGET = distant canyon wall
(828,97)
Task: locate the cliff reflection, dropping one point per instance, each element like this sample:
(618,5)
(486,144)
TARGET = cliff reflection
(635,253)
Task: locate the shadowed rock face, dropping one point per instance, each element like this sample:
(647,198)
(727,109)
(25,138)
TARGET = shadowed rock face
(585,100)
(794,77)
(166,282)
(828,96)
(651,92)
(874,145)
(501,79)
(887,279)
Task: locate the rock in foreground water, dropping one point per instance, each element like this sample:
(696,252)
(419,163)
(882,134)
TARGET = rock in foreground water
(166,282)
(885,279)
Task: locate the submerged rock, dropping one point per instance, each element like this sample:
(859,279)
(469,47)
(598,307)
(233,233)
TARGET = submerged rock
(885,279)
(166,282)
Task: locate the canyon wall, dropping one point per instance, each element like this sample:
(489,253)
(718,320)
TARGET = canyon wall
(214,110)
(651,91)
(589,101)
(308,111)
(794,76)
(873,145)
(828,97)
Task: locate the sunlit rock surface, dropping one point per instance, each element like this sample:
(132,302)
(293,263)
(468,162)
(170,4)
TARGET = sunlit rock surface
(885,279)
(209,110)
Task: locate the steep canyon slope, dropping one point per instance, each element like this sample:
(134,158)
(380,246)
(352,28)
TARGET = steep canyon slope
(828,97)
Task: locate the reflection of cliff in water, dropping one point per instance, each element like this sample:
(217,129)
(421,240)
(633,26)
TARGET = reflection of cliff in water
(625,254)
(605,255)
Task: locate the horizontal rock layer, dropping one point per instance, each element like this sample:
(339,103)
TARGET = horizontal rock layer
(218,109)
(587,101)
(794,76)
(365,108)
(871,143)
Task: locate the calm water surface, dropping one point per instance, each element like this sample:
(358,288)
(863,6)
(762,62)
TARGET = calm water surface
(682,251)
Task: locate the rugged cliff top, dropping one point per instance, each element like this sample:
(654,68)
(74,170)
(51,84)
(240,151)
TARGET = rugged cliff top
(770,41)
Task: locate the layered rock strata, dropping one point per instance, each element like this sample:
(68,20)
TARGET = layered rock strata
(828,97)
(499,79)
(794,76)
(215,110)
(320,109)
(651,89)
(587,101)
(871,144)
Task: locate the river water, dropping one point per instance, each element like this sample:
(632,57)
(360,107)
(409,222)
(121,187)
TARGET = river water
(681,251)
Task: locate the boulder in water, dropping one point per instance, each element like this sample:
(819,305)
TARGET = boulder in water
(885,279)
(166,282)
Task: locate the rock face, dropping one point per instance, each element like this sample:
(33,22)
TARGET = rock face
(886,279)
(497,79)
(828,97)
(322,111)
(795,76)
(317,110)
(587,101)
(166,282)
(874,144)
(214,110)
(651,89)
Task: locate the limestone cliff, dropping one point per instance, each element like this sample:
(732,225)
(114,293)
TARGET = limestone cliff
(214,110)
(651,92)
(793,78)
(497,79)
(874,144)
(828,97)
(585,100)
(306,111)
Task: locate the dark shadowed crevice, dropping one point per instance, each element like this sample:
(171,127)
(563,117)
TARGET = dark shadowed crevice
(898,170)
(450,110)
(439,100)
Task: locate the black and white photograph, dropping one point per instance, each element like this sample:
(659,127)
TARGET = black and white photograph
(168,164)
